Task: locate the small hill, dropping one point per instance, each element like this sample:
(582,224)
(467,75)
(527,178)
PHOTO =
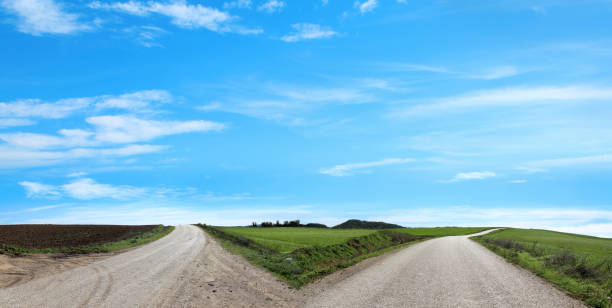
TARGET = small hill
(315,225)
(362,224)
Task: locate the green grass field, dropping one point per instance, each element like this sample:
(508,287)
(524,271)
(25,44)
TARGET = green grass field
(582,265)
(289,239)
(595,248)
(442,231)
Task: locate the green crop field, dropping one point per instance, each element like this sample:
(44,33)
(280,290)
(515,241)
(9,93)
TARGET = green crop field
(442,231)
(289,239)
(580,264)
(594,248)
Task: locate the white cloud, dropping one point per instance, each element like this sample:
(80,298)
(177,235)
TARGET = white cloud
(134,101)
(38,17)
(130,150)
(110,129)
(271,6)
(76,174)
(127,129)
(570,161)
(530,170)
(510,97)
(181,14)
(146,213)
(350,169)
(130,7)
(34,190)
(366,6)
(14,157)
(497,73)
(12,122)
(290,104)
(240,4)
(465,176)
(145,35)
(411,67)
(517,181)
(305,31)
(69,138)
(83,189)
(37,108)
(86,189)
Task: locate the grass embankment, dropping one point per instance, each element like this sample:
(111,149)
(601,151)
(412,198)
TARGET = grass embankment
(128,240)
(320,251)
(581,265)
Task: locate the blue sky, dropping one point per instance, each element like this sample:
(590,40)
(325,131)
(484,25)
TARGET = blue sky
(421,113)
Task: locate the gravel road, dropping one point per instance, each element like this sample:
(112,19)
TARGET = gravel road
(188,269)
(450,271)
(182,269)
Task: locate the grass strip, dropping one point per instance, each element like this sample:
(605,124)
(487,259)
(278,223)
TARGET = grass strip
(306,264)
(136,240)
(580,275)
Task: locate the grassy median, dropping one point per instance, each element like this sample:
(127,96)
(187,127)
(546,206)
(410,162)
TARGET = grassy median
(299,255)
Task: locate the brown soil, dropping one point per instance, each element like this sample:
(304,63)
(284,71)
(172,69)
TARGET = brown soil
(64,236)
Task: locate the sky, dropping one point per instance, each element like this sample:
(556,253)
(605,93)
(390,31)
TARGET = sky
(419,113)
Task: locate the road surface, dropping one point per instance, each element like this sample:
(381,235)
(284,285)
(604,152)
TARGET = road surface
(450,271)
(188,269)
(183,269)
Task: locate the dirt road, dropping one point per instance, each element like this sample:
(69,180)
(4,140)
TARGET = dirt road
(188,269)
(183,269)
(451,271)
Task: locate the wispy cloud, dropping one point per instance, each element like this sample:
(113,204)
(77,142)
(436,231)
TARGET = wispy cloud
(307,31)
(109,130)
(34,190)
(412,67)
(291,104)
(352,168)
(16,157)
(128,129)
(466,176)
(181,14)
(517,181)
(271,6)
(240,4)
(86,189)
(37,108)
(497,73)
(509,97)
(39,17)
(82,189)
(569,161)
(366,6)
(145,35)
(12,122)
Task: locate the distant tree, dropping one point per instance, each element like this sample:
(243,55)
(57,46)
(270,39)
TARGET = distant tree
(254,225)
(277,224)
